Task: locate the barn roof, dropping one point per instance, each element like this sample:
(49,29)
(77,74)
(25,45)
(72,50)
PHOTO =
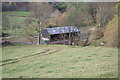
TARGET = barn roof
(60,30)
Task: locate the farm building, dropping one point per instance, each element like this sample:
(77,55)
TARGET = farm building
(60,35)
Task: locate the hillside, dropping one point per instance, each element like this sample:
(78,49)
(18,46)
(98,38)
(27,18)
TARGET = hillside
(13,20)
(80,14)
(111,33)
(59,61)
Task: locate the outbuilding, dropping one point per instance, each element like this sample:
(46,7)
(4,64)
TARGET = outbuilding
(60,35)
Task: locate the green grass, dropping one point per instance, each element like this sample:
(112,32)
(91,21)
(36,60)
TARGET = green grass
(17,20)
(96,42)
(15,51)
(68,62)
(17,13)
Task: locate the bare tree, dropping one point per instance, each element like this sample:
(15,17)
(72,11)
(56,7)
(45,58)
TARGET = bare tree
(101,12)
(92,10)
(40,12)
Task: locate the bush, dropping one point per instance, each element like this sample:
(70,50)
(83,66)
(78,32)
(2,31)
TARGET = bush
(6,43)
(96,34)
(96,43)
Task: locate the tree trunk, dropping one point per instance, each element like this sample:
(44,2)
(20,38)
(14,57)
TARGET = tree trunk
(39,38)
(63,39)
(69,38)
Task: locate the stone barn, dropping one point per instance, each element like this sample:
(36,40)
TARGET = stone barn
(60,35)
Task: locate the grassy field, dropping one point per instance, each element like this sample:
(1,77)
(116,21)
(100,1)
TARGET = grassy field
(59,61)
(16,18)
(16,13)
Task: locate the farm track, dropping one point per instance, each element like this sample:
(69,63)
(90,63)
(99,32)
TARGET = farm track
(17,59)
(17,16)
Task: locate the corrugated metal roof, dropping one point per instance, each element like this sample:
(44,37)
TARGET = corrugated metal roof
(60,30)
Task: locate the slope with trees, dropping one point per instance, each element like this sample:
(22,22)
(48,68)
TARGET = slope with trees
(43,15)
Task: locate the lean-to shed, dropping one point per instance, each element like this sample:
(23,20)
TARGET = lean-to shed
(59,34)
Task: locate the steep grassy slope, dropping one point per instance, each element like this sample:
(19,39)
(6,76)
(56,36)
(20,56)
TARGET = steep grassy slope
(111,33)
(67,62)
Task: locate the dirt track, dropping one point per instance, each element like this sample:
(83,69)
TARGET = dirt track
(17,59)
